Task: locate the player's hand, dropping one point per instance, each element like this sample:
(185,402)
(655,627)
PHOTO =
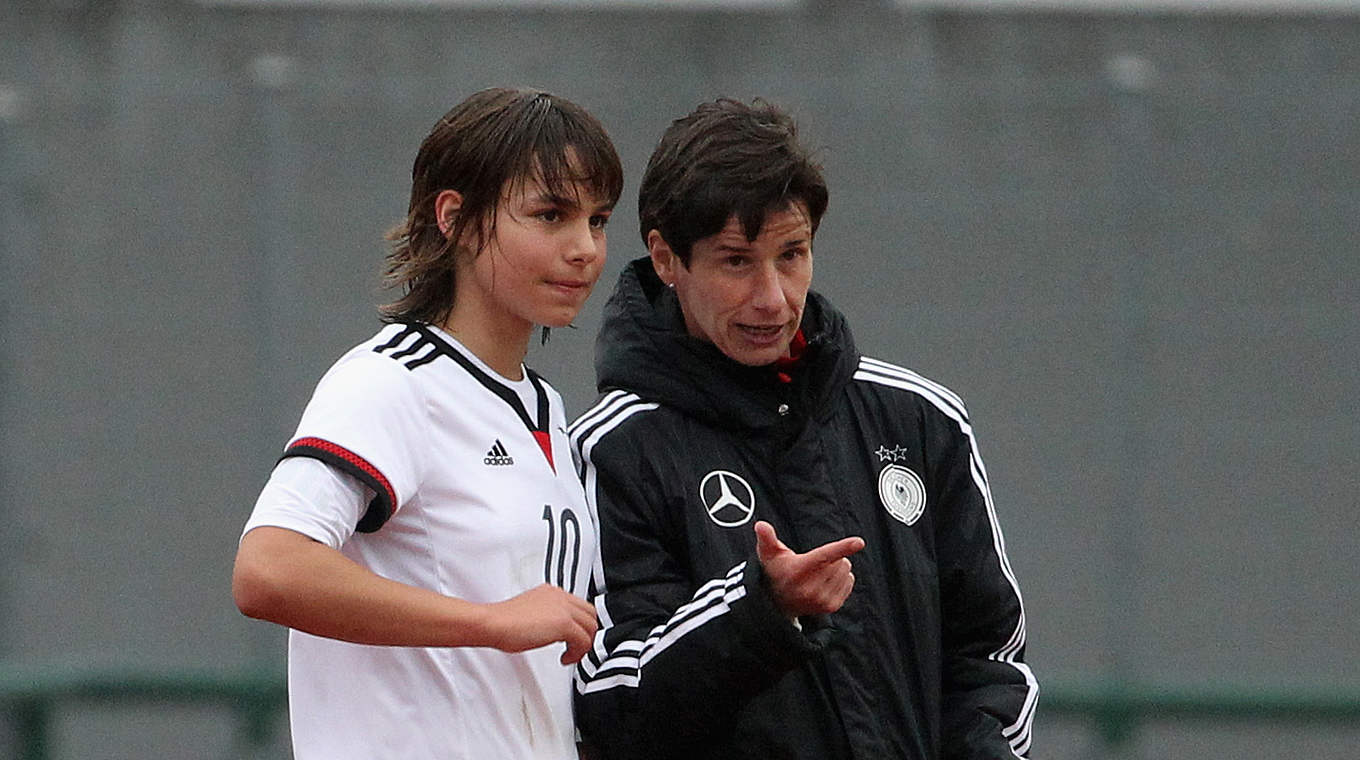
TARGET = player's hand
(815,583)
(541,616)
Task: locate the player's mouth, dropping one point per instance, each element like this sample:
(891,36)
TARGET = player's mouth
(573,287)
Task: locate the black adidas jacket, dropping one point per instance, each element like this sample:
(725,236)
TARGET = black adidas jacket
(685,450)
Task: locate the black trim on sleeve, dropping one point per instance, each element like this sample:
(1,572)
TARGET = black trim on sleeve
(384,501)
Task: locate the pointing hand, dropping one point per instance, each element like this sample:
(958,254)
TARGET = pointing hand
(814,583)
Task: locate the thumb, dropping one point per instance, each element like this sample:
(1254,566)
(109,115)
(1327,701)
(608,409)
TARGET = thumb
(768,544)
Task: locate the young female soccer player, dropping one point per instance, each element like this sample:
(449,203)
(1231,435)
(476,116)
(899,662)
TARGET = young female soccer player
(424,535)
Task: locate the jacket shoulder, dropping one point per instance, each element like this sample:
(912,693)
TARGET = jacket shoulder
(905,386)
(613,423)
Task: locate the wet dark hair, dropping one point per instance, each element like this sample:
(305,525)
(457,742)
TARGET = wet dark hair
(481,148)
(725,159)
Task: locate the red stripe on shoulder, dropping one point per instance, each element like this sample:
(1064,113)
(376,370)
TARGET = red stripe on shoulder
(353,459)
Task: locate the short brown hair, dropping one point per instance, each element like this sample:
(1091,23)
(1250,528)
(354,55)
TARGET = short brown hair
(725,159)
(493,138)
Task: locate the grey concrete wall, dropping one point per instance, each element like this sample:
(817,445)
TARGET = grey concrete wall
(1129,241)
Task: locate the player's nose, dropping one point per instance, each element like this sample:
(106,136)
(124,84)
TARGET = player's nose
(584,244)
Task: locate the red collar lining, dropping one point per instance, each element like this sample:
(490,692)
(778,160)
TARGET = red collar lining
(785,365)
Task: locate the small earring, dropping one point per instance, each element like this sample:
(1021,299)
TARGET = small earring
(670,285)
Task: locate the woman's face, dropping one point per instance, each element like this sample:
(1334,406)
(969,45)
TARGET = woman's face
(543,258)
(744,296)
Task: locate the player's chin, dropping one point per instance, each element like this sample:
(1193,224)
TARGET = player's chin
(560,317)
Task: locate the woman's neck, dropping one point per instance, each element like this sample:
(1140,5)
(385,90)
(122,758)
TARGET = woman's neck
(500,344)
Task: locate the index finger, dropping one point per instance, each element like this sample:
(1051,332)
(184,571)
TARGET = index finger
(833,551)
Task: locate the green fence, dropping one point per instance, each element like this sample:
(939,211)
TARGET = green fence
(1115,711)
(30,697)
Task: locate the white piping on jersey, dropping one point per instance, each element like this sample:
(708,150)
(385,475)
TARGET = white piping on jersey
(607,413)
(883,373)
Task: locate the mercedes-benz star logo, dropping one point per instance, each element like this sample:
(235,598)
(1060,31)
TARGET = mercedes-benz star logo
(728,498)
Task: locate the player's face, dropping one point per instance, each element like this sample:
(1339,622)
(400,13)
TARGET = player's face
(544,257)
(744,296)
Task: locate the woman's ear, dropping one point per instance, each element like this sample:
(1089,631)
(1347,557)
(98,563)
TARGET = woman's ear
(664,260)
(446,206)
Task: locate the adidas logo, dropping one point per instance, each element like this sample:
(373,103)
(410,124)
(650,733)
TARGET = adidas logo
(498,455)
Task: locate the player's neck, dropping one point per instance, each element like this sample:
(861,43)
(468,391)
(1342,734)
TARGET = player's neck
(501,344)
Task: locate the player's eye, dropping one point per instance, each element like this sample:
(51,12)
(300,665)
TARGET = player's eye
(598,221)
(550,215)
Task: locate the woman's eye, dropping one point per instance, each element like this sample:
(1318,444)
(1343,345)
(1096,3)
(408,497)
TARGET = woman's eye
(551,215)
(599,221)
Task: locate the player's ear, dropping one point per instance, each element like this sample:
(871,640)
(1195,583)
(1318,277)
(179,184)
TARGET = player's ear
(664,260)
(446,206)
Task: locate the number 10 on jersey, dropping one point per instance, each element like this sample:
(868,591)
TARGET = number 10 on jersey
(562,555)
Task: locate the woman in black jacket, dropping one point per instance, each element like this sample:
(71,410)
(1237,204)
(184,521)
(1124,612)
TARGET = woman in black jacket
(799,553)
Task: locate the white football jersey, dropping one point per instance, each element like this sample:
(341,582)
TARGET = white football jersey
(471,492)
